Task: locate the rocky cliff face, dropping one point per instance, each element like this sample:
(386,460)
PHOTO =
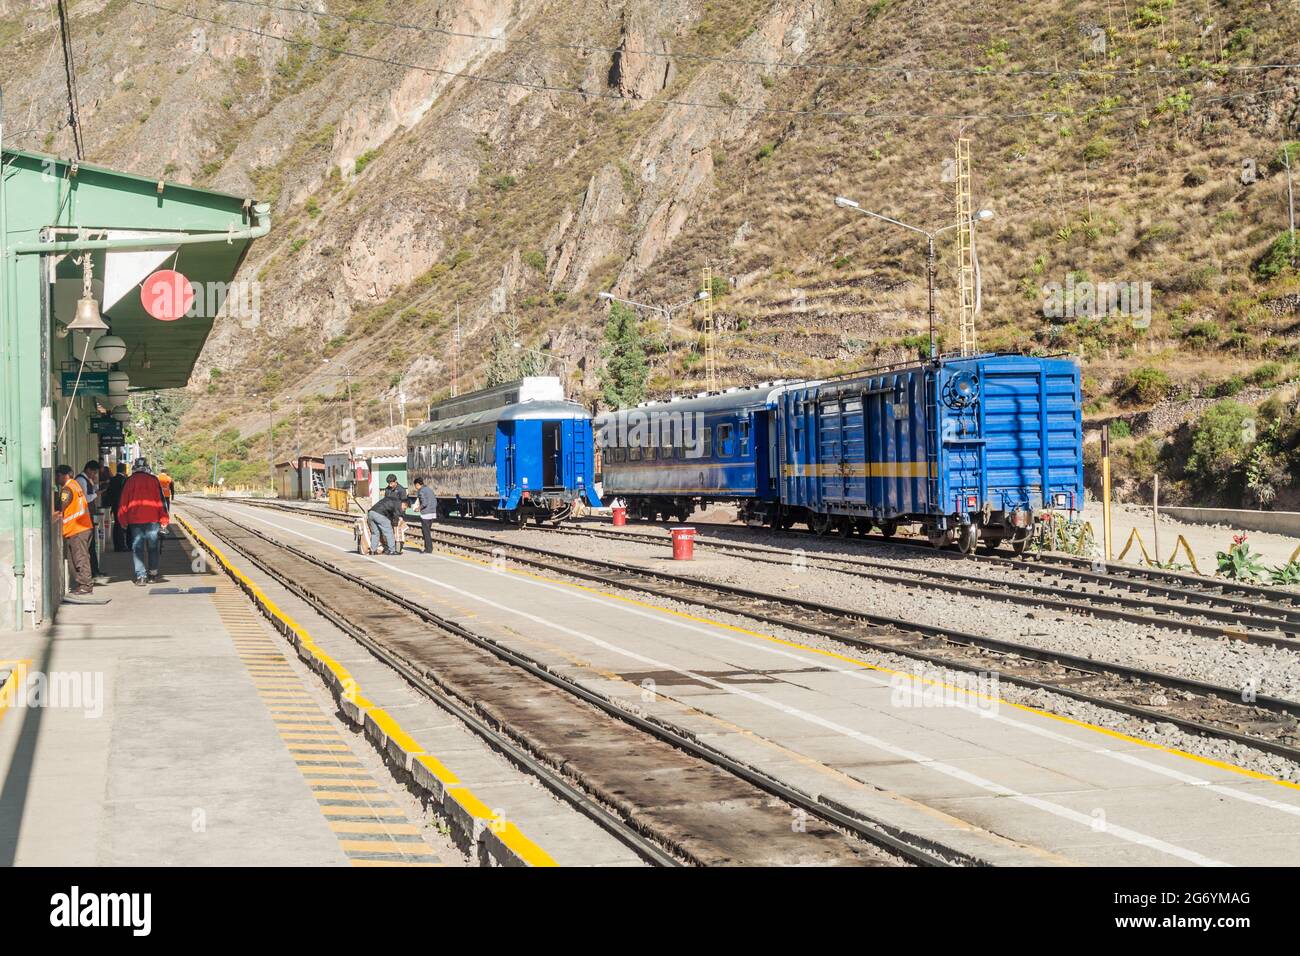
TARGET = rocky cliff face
(507,160)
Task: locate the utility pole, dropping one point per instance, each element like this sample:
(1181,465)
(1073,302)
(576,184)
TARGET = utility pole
(1290,196)
(270,442)
(455,354)
(710,359)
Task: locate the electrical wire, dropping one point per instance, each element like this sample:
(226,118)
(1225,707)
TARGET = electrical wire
(769,64)
(70,76)
(694,104)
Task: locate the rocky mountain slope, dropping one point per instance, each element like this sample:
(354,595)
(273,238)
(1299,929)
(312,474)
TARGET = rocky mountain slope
(507,161)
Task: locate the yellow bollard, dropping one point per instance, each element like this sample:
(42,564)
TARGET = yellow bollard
(1105,490)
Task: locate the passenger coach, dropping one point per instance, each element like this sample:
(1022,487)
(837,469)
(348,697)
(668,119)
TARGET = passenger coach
(513,452)
(665,459)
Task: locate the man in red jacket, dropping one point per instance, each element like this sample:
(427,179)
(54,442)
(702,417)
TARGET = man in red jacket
(143,512)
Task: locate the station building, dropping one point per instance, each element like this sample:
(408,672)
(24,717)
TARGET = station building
(160,261)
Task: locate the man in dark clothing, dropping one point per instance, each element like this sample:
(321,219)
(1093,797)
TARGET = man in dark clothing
(393,489)
(381,518)
(112,498)
(426,502)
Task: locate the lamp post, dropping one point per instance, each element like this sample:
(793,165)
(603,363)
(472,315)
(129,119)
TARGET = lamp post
(667,312)
(984,215)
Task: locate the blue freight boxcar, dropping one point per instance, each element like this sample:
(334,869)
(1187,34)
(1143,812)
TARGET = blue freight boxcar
(970,448)
(667,458)
(515,451)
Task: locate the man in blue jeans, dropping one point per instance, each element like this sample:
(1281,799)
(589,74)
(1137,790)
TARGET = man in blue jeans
(143,512)
(381,518)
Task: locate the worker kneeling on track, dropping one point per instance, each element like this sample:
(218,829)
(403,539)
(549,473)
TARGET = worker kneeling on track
(384,515)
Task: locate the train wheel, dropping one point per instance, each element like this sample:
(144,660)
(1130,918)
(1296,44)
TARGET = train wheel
(819,523)
(888,529)
(518,519)
(845,527)
(1018,547)
(938,539)
(862,526)
(990,545)
(968,538)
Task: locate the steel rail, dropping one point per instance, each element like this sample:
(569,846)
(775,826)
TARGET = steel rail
(623,576)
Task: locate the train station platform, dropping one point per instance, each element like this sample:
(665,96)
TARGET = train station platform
(169,727)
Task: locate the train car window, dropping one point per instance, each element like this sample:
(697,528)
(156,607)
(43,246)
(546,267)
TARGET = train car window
(446,454)
(473,451)
(634,453)
(744,438)
(706,443)
(650,453)
(725,447)
(490,450)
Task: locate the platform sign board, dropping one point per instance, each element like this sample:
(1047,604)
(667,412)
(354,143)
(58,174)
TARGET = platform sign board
(105,424)
(90,383)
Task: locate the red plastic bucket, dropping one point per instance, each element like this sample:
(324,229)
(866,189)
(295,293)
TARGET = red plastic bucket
(620,517)
(683,544)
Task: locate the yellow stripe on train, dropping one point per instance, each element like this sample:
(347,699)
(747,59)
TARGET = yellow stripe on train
(861,469)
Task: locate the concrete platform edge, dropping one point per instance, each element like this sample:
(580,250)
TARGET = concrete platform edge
(473,822)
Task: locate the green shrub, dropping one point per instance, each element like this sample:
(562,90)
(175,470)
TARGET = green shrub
(1228,387)
(1220,443)
(1266,375)
(1145,386)
(1119,428)
(1098,148)
(364,160)
(1279,257)
(535,259)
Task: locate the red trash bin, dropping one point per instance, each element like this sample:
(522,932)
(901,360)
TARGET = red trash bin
(620,517)
(683,544)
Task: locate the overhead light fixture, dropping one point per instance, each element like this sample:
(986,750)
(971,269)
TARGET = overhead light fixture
(110,348)
(121,413)
(87,318)
(118,383)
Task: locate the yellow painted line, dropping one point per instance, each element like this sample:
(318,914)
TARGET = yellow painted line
(316,746)
(521,845)
(1024,708)
(438,769)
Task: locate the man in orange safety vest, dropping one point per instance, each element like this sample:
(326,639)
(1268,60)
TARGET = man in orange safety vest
(78,526)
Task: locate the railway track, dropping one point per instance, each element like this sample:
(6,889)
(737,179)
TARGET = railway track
(605,761)
(1240,715)
(1172,609)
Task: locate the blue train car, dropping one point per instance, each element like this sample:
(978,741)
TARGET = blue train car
(665,459)
(971,448)
(515,451)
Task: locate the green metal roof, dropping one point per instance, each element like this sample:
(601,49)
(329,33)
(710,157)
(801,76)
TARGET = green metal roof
(47,199)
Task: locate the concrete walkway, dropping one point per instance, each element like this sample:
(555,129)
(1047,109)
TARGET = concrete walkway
(168,728)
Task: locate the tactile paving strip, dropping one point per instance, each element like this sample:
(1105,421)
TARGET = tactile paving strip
(371,828)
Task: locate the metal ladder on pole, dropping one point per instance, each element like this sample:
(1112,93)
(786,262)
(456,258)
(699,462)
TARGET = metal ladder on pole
(965,257)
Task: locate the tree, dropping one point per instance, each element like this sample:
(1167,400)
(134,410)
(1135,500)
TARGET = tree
(508,360)
(155,419)
(625,371)
(1221,442)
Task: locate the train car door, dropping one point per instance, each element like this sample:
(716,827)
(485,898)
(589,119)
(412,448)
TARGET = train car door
(552,455)
(830,451)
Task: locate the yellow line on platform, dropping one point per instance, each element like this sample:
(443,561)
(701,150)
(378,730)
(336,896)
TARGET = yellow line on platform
(512,836)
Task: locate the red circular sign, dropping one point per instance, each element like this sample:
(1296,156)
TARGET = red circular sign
(166,295)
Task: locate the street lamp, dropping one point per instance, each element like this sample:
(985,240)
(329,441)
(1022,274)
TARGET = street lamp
(667,312)
(984,215)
